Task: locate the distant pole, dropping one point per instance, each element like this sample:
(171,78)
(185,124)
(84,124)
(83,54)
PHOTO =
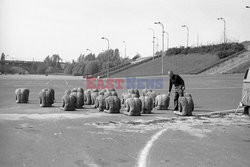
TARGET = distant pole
(162,26)
(225,38)
(198,38)
(108,54)
(185,26)
(125,49)
(167,39)
(153,31)
(157,44)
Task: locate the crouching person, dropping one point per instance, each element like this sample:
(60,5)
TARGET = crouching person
(46,97)
(69,102)
(113,105)
(52,92)
(133,107)
(94,94)
(79,95)
(147,104)
(186,105)
(162,102)
(79,98)
(100,102)
(22,95)
(87,97)
(152,94)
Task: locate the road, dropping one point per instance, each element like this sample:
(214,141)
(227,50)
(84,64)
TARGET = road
(34,136)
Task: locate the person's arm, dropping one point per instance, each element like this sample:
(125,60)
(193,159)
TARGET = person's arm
(40,99)
(63,101)
(183,84)
(170,86)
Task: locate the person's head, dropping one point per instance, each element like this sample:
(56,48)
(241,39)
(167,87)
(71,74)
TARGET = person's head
(170,73)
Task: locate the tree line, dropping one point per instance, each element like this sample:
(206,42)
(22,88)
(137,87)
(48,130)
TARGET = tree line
(91,64)
(83,65)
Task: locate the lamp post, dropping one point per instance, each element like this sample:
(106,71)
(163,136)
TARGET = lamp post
(125,49)
(108,54)
(157,44)
(198,38)
(89,50)
(185,26)
(153,42)
(167,39)
(221,18)
(162,70)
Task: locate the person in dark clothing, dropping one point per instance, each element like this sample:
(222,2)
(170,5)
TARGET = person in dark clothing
(178,82)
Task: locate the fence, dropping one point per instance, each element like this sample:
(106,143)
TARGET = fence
(122,67)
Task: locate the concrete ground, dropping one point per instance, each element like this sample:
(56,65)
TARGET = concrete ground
(34,136)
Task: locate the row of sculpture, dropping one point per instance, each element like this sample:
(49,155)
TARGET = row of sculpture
(107,100)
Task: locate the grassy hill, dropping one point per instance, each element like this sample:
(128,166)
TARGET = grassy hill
(182,60)
(182,64)
(240,69)
(236,63)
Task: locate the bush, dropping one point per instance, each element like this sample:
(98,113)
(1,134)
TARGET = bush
(137,56)
(174,51)
(225,53)
(222,50)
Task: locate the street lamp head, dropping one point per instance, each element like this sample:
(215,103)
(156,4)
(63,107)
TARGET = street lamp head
(157,22)
(219,18)
(247,6)
(183,26)
(166,32)
(103,38)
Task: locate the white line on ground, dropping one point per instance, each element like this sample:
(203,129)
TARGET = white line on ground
(211,88)
(143,156)
(214,88)
(222,111)
(142,161)
(66,82)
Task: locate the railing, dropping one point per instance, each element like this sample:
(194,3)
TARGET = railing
(104,71)
(220,61)
(123,67)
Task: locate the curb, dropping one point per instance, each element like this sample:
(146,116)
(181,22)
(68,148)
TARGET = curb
(221,112)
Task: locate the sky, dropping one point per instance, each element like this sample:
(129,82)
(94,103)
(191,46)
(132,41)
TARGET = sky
(34,29)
